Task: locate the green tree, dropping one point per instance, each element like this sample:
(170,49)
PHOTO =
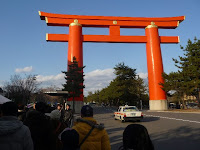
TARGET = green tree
(89,97)
(125,88)
(126,82)
(74,80)
(186,81)
(112,93)
(189,66)
(141,91)
(174,81)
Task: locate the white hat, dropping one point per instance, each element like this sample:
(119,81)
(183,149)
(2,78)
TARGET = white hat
(55,114)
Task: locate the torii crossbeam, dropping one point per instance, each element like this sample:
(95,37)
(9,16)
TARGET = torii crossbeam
(152,39)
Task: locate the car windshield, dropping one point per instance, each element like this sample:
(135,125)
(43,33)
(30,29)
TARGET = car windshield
(127,109)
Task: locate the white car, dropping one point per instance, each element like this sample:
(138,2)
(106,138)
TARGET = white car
(128,113)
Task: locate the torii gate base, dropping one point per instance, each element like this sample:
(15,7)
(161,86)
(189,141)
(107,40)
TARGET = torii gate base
(158,105)
(78,105)
(152,39)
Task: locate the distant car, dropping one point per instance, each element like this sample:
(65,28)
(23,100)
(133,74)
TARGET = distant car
(192,105)
(172,106)
(128,113)
(92,104)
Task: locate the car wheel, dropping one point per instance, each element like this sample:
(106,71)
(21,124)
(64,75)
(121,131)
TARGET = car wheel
(122,121)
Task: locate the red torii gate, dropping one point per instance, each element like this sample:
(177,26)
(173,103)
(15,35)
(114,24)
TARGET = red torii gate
(152,39)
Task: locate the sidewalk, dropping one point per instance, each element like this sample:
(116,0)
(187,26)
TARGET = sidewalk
(195,111)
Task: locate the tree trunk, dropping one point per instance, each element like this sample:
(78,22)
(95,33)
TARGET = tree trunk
(183,104)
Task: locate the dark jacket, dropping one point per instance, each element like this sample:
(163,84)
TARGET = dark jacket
(41,130)
(14,135)
(68,114)
(58,127)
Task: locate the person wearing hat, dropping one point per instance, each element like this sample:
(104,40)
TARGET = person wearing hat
(91,134)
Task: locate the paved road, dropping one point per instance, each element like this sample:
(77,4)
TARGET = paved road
(168,131)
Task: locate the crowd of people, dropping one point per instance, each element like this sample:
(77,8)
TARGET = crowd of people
(42,128)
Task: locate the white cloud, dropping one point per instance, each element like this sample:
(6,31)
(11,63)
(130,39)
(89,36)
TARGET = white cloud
(95,80)
(41,78)
(55,80)
(98,79)
(143,75)
(25,69)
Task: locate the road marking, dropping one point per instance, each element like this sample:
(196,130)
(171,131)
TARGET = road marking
(173,118)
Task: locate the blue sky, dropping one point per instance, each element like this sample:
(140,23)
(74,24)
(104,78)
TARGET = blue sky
(23,49)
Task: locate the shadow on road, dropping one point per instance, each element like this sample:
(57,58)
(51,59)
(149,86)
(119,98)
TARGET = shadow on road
(183,138)
(116,138)
(116,142)
(112,130)
(149,119)
(145,119)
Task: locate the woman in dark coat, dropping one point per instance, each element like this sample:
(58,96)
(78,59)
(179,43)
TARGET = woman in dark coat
(135,136)
(41,128)
(58,127)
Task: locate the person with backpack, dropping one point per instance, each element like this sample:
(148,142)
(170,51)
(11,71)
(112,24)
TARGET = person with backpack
(92,136)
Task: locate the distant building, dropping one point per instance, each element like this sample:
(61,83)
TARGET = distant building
(57,93)
(187,98)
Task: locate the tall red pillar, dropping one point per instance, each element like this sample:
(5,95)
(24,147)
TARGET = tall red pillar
(75,44)
(155,69)
(75,49)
